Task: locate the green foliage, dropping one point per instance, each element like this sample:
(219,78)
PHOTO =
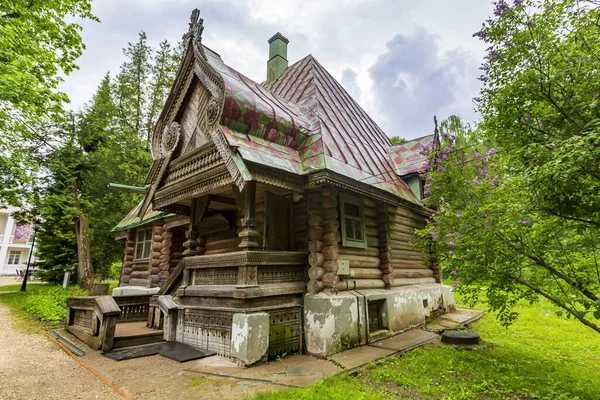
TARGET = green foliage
(105,143)
(396,140)
(541,104)
(542,356)
(37,46)
(340,387)
(41,302)
(50,305)
(517,198)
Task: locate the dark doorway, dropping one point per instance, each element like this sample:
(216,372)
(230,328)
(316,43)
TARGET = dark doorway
(277,232)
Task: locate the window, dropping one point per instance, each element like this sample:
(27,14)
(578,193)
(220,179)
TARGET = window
(143,244)
(14,257)
(353,222)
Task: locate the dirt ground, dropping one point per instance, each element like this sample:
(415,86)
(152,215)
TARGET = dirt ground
(33,367)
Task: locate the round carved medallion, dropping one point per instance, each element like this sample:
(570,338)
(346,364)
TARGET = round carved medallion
(170,137)
(212,111)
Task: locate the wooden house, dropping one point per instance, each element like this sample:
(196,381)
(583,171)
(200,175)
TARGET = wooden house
(275,220)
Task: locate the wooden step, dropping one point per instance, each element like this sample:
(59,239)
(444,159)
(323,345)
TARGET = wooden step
(134,334)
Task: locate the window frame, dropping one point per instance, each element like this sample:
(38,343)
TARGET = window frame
(146,240)
(356,201)
(13,253)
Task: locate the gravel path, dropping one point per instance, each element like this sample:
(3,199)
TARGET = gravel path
(33,367)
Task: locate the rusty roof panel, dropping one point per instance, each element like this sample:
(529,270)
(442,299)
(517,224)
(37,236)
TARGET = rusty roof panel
(408,157)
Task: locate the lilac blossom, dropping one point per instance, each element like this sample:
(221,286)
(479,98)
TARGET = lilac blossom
(441,169)
(476,180)
(527,120)
(451,244)
(454,283)
(526,222)
(459,215)
(491,152)
(481,34)
(501,8)
(483,78)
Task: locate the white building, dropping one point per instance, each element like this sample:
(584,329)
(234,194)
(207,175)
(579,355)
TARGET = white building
(15,243)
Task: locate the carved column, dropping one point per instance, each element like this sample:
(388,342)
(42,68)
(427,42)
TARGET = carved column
(246,202)
(194,245)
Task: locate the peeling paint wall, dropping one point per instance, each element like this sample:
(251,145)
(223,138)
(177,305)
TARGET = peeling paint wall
(332,322)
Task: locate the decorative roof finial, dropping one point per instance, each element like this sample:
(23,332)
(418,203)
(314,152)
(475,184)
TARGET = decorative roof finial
(196,27)
(436,132)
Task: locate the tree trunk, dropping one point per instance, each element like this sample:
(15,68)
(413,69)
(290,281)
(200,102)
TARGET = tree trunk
(85,271)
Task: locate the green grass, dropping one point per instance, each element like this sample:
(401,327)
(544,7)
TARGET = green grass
(541,356)
(41,306)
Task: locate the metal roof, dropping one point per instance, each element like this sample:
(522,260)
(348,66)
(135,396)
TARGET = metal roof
(408,157)
(305,122)
(131,220)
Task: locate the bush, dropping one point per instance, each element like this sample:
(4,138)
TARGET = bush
(51,305)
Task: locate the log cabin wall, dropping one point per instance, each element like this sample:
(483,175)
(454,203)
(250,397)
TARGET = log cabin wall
(141,267)
(365,264)
(155,254)
(407,263)
(389,258)
(127,268)
(170,252)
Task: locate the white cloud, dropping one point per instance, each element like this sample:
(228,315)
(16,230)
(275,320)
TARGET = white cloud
(346,36)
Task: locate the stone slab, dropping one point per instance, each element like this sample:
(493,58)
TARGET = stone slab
(182,352)
(133,290)
(406,341)
(360,356)
(174,350)
(294,370)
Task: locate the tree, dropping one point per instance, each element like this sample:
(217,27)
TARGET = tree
(37,45)
(107,142)
(396,140)
(489,233)
(541,102)
(517,198)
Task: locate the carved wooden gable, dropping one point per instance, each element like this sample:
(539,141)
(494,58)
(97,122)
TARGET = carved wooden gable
(192,120)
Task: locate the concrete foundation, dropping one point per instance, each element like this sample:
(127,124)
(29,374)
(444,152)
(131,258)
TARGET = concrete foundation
(132,290)
(249,337)
(335,322)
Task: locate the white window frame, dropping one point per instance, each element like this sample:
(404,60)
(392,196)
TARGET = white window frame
(146,244)
(14,255)
(360,243)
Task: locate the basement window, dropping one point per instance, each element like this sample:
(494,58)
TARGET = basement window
(143,244)
(352,221)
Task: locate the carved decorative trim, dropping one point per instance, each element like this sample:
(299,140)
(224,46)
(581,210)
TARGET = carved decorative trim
(328,178)
(170,138)
(207,159)
(179,221)
(278,179)
(193,186)
(174,101)
(247,258)
(212,111)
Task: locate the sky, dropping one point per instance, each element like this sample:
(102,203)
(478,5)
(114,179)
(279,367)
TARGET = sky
(403,61)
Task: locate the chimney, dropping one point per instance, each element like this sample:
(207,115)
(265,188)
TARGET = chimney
(278,62)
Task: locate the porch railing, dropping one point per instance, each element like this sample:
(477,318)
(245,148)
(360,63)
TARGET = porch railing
(93,319)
